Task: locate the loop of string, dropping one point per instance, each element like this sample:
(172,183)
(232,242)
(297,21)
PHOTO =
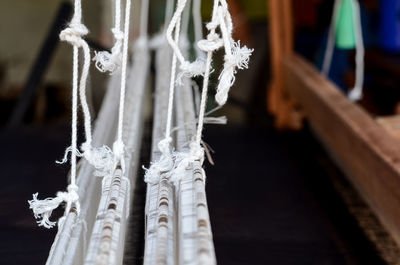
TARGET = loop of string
(111,62)
(73,34)
(188,69)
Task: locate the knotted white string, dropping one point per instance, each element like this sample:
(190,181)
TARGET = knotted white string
(188,69)
(103,159)
(119,146)
(236,57)
(110,62)
(166,161)
(43,209)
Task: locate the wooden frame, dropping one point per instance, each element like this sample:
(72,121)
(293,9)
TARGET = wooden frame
(366,151)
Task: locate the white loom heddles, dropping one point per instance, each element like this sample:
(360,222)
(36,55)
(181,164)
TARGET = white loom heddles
(178,229)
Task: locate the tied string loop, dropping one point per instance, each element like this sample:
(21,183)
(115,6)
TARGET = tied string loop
(42,209)
(73,34)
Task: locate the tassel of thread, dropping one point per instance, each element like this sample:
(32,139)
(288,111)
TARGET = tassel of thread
(42,209)
(110,62)
(239,59)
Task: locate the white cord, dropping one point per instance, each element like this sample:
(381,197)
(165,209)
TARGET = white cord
(330,46)
(356,93)
(118,147)
(43,209)
(110,62)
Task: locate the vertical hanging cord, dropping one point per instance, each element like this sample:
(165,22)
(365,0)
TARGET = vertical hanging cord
(43,209)
(188,69)
(356,93)
(172,83)
(111,62)
(204,92)
(330,45)
(118,146)
(166,161)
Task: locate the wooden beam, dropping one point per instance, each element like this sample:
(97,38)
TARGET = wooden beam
(364,150)
(391,124)
(281,36)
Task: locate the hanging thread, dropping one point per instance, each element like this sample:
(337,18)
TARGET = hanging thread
(110,62)
(236,57)
(43,209)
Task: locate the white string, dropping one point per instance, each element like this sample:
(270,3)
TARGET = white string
(166,160)
(235,57)
(330,46)
(356,93)
(118,146)
(188,69)
(110,62)
(43,209)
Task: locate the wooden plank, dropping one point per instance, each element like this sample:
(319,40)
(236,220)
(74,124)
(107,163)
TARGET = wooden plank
(391,124)
(281,36)
(364,150)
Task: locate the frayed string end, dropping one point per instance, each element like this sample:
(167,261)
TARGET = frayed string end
(67,151)
(42,209)
(110,62)
(239,59)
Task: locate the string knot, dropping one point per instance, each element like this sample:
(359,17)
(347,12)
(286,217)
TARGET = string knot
(73,33)
(163,165)
(239,58)
(183,160)
(101,158)
(191,69)
(118,148)
(212,43)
